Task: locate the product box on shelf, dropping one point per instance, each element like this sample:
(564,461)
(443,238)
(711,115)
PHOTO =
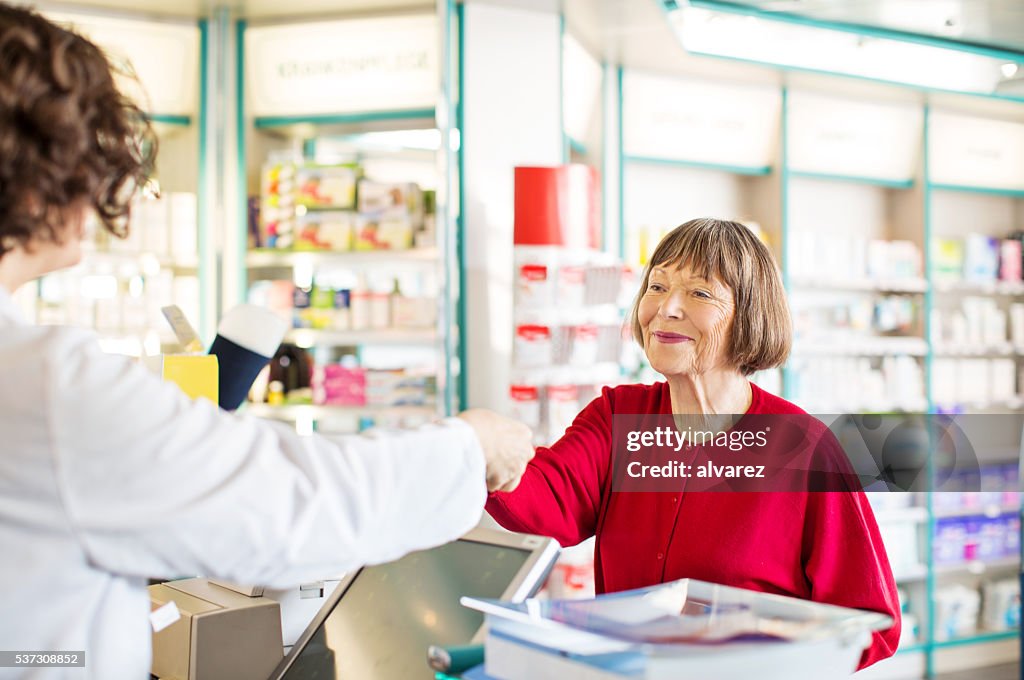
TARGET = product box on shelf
(326,186)
(338,385)
(1001,604)
(373,232)
(390,199)
(956,611)
(324,230)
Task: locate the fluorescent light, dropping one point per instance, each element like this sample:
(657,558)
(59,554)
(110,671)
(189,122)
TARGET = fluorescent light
(765,41)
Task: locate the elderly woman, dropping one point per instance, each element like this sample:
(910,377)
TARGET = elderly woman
(711,311)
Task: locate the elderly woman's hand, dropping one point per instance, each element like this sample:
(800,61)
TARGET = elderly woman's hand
(507,446)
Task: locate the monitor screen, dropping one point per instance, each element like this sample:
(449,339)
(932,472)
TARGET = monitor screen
(382,625)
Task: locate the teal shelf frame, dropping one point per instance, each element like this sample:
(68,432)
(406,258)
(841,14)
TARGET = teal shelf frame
(202,193)
(576,146)
(461,305)
(180,120)
(987,191)
(977,639)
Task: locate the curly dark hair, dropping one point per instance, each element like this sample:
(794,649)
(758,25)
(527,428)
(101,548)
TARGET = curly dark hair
(68,137)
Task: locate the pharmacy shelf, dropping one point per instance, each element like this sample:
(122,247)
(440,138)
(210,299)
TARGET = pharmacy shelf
(989,191)
(911,648)
(869,346)
(136,261)
(752,170)
(292,412)
(984,511)
(1013,288)
(265,258)
(915,285)
(600,315)
(882,182)
(1013,403)
(980,637)
(901,515)
(605,373)
(307,337)
(915,573)
(916,406)
(1004,350)
(977,567)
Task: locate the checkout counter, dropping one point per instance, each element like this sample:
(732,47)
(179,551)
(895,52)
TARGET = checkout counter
(375,624)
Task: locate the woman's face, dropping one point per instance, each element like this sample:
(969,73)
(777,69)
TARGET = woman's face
(686,321)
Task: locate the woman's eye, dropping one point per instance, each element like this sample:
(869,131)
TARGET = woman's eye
(702,294)
(656,287)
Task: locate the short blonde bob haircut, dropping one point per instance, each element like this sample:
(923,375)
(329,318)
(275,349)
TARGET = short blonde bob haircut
(762,330)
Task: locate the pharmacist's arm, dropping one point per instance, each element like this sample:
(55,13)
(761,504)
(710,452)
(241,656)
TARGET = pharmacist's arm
(157,485)
(560,492)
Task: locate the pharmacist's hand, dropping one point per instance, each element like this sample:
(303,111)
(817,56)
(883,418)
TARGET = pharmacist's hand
(507,445)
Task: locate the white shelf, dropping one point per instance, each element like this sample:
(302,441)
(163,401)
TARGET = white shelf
(917,572)
(600,315)
(913,514)
(140,262)
(868,346)
(967,350)
(978,566)
(308,337)
(919,406)
(267,258)
(607,373)
(294,412)
(984,511)
(1012,403)
(915,285)
(984,288)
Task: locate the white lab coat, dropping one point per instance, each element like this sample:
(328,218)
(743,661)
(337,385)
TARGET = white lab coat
(109,475)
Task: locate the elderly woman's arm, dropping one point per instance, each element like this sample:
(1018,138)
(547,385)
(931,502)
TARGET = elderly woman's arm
(846,564)
(560,493)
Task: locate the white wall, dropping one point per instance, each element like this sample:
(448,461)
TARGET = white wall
(511,109)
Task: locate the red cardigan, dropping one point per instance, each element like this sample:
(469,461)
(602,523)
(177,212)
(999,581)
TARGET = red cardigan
(818,546)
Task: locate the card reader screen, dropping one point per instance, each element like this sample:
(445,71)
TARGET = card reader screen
(381,626)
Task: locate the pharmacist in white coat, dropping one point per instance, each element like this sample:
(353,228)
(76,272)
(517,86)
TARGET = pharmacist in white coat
(110,476)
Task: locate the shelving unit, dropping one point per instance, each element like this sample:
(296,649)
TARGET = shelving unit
(400,136)
(837,174)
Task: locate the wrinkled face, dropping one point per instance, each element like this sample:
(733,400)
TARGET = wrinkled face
(686,321)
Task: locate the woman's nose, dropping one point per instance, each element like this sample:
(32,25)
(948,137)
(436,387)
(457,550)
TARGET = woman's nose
(672,307)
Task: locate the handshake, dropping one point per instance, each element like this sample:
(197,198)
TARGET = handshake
(507,446)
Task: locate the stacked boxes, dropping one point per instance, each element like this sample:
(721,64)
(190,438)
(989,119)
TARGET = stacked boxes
(306,206)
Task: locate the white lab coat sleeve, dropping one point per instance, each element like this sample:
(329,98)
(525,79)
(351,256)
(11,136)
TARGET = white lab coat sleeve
(155,484)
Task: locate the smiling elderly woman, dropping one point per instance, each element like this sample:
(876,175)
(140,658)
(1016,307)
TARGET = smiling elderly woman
(711,311)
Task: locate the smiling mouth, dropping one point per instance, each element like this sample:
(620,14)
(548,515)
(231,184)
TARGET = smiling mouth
(671,338)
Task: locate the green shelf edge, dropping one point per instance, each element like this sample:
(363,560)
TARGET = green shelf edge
(171,119)
(752,170)
(271,122)
(989,191)
(977,639)
(855,179)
